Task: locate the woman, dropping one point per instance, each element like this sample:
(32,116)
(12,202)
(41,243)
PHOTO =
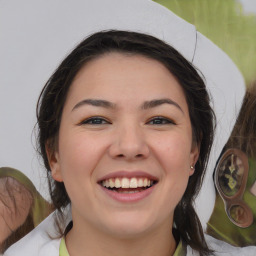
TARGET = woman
(21,206)
(125,130)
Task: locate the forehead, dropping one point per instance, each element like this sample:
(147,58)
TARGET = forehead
(120,76)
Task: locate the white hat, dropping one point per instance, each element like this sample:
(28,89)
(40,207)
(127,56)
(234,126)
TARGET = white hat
(37,35)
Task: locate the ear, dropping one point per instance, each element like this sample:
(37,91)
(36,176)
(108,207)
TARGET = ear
(54,163)
(194,155)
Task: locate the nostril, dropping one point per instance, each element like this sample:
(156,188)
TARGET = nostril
(123,155)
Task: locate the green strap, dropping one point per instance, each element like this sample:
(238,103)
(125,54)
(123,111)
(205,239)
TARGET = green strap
(181,249)
(63,248)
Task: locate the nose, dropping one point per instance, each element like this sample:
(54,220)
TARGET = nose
(129,143)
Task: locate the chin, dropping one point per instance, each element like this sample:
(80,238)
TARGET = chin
(128,226)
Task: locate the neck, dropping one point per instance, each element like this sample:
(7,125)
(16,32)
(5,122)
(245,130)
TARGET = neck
(85,241)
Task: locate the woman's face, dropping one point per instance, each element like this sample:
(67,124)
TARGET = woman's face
(125,146)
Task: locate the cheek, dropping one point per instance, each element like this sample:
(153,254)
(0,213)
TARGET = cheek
(79,154)
(78,151)
(76,165)
(173,152)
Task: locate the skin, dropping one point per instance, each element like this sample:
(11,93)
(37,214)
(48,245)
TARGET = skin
(128,137)
(13,215)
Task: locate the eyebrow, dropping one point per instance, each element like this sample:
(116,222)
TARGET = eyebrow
(96,103)
(146,105)
(158,102)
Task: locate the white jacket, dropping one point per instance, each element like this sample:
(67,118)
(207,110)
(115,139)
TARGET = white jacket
(39,243)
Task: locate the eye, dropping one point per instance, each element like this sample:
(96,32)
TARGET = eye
(159,120)
(95,120)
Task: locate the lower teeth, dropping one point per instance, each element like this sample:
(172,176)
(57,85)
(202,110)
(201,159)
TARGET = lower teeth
(129,192)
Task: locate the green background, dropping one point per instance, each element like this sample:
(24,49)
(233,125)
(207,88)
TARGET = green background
(225,23)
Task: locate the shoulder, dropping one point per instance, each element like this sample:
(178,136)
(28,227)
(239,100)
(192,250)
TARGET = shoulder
(38,242)
(224,249)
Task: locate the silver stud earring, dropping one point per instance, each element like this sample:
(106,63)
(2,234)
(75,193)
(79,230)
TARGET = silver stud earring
(191,167)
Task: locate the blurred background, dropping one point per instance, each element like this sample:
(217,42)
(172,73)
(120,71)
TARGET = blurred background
(230,24)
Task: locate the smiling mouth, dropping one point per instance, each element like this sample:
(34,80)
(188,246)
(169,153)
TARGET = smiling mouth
(128,185)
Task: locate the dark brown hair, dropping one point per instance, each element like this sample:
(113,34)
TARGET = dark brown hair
(53,96)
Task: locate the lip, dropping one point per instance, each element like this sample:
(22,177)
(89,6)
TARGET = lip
(128,198)
(128,174)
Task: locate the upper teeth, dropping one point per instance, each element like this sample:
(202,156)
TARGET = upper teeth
(127,183)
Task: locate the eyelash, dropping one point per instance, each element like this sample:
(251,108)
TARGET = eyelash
(97,120)
(160,121)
